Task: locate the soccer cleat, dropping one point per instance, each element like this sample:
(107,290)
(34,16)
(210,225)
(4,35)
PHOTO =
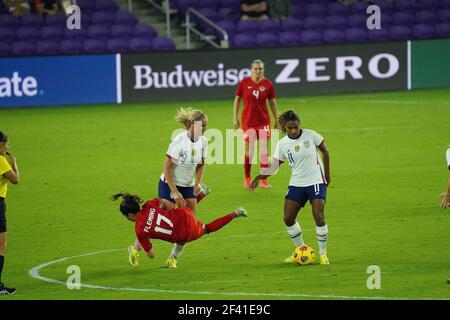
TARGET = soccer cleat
(241,212)
(290,259)
(205,189)
(171,263)
(265,184)
(4,290)
(133,256)
(247,182)
(324,259)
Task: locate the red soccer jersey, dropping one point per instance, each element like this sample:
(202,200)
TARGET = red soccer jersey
(254,94)
(174,225)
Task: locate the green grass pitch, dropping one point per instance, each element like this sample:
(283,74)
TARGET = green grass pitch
(388,168)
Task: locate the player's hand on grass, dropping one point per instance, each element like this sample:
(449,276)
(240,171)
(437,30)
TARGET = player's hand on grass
(445,200)
(179,200)
(236,123)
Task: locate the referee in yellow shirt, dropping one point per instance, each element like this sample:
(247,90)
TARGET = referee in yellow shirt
(8,172)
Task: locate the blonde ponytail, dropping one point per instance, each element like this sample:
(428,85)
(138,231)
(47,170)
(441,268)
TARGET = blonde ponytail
(186,116)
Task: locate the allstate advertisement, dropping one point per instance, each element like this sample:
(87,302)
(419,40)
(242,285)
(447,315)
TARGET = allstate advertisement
(57,80)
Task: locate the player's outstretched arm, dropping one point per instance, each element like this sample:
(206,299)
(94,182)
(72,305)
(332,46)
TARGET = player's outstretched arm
(151,253)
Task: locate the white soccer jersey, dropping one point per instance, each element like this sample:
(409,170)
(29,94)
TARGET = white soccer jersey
(186,155)
(301,154)
(448,158)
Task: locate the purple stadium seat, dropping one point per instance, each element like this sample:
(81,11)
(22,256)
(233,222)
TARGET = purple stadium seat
(443,29)
(311,37)
(5,49)
(22,48)
(316,9)
(401,33)
(444,4)
(247,26)
(28,34)
(386,20)
(106,6)
(32,20)
(210,4)
(427,4)
(183,5)
(337,8)
(290,24)
(336,22)
(266,39)
(9,21)
(7,35)
(58,20)
(289,38)
(71,46)
(86,5)
(229,27)
(426,17)
(52,33)
(385,6)
(125,17)
(314,23)
(117,45)
(234,4)
(333,36)
(163,44)
(208,13)
(444,16)
(144,31)
(269,25)
(405,6)
(359,7)
(298,11)
(94,46)
(140,45)
(424,31)
(76,34)
(356,35)
(98,32)
(225,12)
(242,40)
(45,47)
(405,18)
(122,31)
(104,18)
(357,20)
(382,34)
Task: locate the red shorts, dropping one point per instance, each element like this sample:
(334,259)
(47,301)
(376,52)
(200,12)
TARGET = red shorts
(193,227)
(257,133)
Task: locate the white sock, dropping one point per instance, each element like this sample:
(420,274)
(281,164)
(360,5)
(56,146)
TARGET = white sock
(137,245)
(322,235)
(176,251)
(295,232)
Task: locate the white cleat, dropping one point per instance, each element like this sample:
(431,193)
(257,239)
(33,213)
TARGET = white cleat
(241,212)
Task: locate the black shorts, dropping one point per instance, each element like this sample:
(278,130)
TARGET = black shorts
(2,215)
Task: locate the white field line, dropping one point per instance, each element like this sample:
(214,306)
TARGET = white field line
(34,273)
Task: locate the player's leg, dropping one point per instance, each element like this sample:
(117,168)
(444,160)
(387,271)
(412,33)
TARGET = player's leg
(295,199)
(263,139)
(3,241)
(318,211)
(250,138)
(222,221)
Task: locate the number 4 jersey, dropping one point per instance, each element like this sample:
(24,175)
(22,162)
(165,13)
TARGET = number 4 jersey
(176,225)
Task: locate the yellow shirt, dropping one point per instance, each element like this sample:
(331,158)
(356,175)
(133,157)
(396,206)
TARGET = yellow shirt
(4,167)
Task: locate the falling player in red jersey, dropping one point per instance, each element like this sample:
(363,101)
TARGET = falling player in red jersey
(177,225)
(255,90)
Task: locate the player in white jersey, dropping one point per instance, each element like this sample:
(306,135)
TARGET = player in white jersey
(309,180)
(445,196)
(181,182)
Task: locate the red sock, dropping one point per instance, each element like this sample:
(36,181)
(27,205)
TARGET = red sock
(247,166)
(200,196)
(264,161)
(219,223)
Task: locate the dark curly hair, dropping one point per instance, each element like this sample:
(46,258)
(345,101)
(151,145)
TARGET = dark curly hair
(285,117)
(129,204)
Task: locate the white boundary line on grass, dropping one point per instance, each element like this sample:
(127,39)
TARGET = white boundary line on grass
(34,273)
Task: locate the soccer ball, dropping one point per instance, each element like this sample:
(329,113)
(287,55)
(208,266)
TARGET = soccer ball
(304,255)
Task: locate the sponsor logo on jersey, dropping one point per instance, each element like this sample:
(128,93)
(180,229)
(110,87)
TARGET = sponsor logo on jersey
(297,148)
(262,88)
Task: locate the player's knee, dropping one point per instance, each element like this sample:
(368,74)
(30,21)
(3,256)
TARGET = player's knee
(288,220)
(320,222)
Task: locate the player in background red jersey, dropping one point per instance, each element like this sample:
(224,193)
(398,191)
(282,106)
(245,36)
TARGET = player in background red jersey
(255,91)
(178,225)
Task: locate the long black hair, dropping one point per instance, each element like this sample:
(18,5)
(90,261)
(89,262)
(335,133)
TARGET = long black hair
(129,204)
(285,117)
(3,137)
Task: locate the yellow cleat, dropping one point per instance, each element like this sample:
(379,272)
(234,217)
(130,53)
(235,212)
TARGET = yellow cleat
(133,256)
(171,263)
(290,259)
(324,259)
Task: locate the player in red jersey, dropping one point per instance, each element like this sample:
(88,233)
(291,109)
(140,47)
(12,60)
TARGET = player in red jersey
(255,90)
(178,225)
